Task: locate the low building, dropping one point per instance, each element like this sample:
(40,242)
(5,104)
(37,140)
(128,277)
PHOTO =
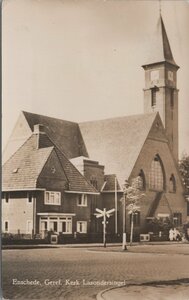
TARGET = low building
(43,191)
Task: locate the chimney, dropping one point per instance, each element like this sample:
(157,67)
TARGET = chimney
(38,129)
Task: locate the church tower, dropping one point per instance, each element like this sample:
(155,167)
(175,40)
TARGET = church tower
(161,93)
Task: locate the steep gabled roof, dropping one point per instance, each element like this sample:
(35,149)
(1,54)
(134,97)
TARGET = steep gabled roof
(77,182)
(160,48)
(65,134)
(23,169)
(24,166)
(116,143)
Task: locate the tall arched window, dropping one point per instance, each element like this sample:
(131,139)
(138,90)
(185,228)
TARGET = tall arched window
(156,175)
(172,184)
(141,181)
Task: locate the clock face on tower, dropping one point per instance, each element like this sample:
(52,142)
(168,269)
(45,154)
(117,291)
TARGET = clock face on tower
(170,75)
(154,75)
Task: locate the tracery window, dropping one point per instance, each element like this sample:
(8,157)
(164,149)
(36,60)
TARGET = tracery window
(156,175)
(141,180)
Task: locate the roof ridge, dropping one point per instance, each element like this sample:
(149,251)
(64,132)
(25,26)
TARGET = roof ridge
(45,116)
(120,117)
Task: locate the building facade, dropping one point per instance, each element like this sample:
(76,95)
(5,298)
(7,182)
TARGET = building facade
(56,173)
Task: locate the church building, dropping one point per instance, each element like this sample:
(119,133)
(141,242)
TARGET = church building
(56,173)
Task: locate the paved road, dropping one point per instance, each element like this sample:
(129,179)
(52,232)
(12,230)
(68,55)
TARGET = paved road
(97,268)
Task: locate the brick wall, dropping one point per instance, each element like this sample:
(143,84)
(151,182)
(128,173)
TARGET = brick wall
(173,202)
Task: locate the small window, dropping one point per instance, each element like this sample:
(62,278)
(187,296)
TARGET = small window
(172,98)
(153,99)
(82,200)
(53,170)
(6,197)
(177,219)
(52,198)
(136,218)
(172,184)
(66,225)
(6,226)
(82,226)
(30,198)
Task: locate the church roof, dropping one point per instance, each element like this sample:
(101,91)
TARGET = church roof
(65,134)
(160,50)
(117,142)
(23,168)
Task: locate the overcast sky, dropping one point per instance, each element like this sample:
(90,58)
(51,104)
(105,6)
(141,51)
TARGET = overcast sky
(81,60)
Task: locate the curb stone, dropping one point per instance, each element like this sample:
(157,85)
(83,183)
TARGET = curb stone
(181,281)
(99,295)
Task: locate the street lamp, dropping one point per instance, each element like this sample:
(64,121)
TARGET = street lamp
(124,244)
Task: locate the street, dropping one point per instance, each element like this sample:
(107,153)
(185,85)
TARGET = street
(80,273)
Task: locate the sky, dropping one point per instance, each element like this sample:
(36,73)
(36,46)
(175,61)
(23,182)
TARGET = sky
(80,60)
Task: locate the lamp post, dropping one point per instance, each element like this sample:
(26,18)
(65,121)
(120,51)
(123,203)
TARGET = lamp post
(124,243)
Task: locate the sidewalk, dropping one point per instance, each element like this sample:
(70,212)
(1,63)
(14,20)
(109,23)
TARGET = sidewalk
(97,245)
(170,290)
(58,246)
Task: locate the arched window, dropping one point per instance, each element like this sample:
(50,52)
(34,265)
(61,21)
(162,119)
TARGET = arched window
(156,175)
(172,184)
(140,181)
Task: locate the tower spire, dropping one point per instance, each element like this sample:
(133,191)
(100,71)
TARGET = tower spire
(161,93)
(160,48)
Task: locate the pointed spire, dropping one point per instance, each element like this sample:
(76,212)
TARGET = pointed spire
(160,48)
(168,56)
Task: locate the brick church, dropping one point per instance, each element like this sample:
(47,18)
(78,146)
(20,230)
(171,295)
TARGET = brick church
(56,173)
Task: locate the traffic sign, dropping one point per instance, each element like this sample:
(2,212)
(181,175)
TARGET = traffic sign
(104,214)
